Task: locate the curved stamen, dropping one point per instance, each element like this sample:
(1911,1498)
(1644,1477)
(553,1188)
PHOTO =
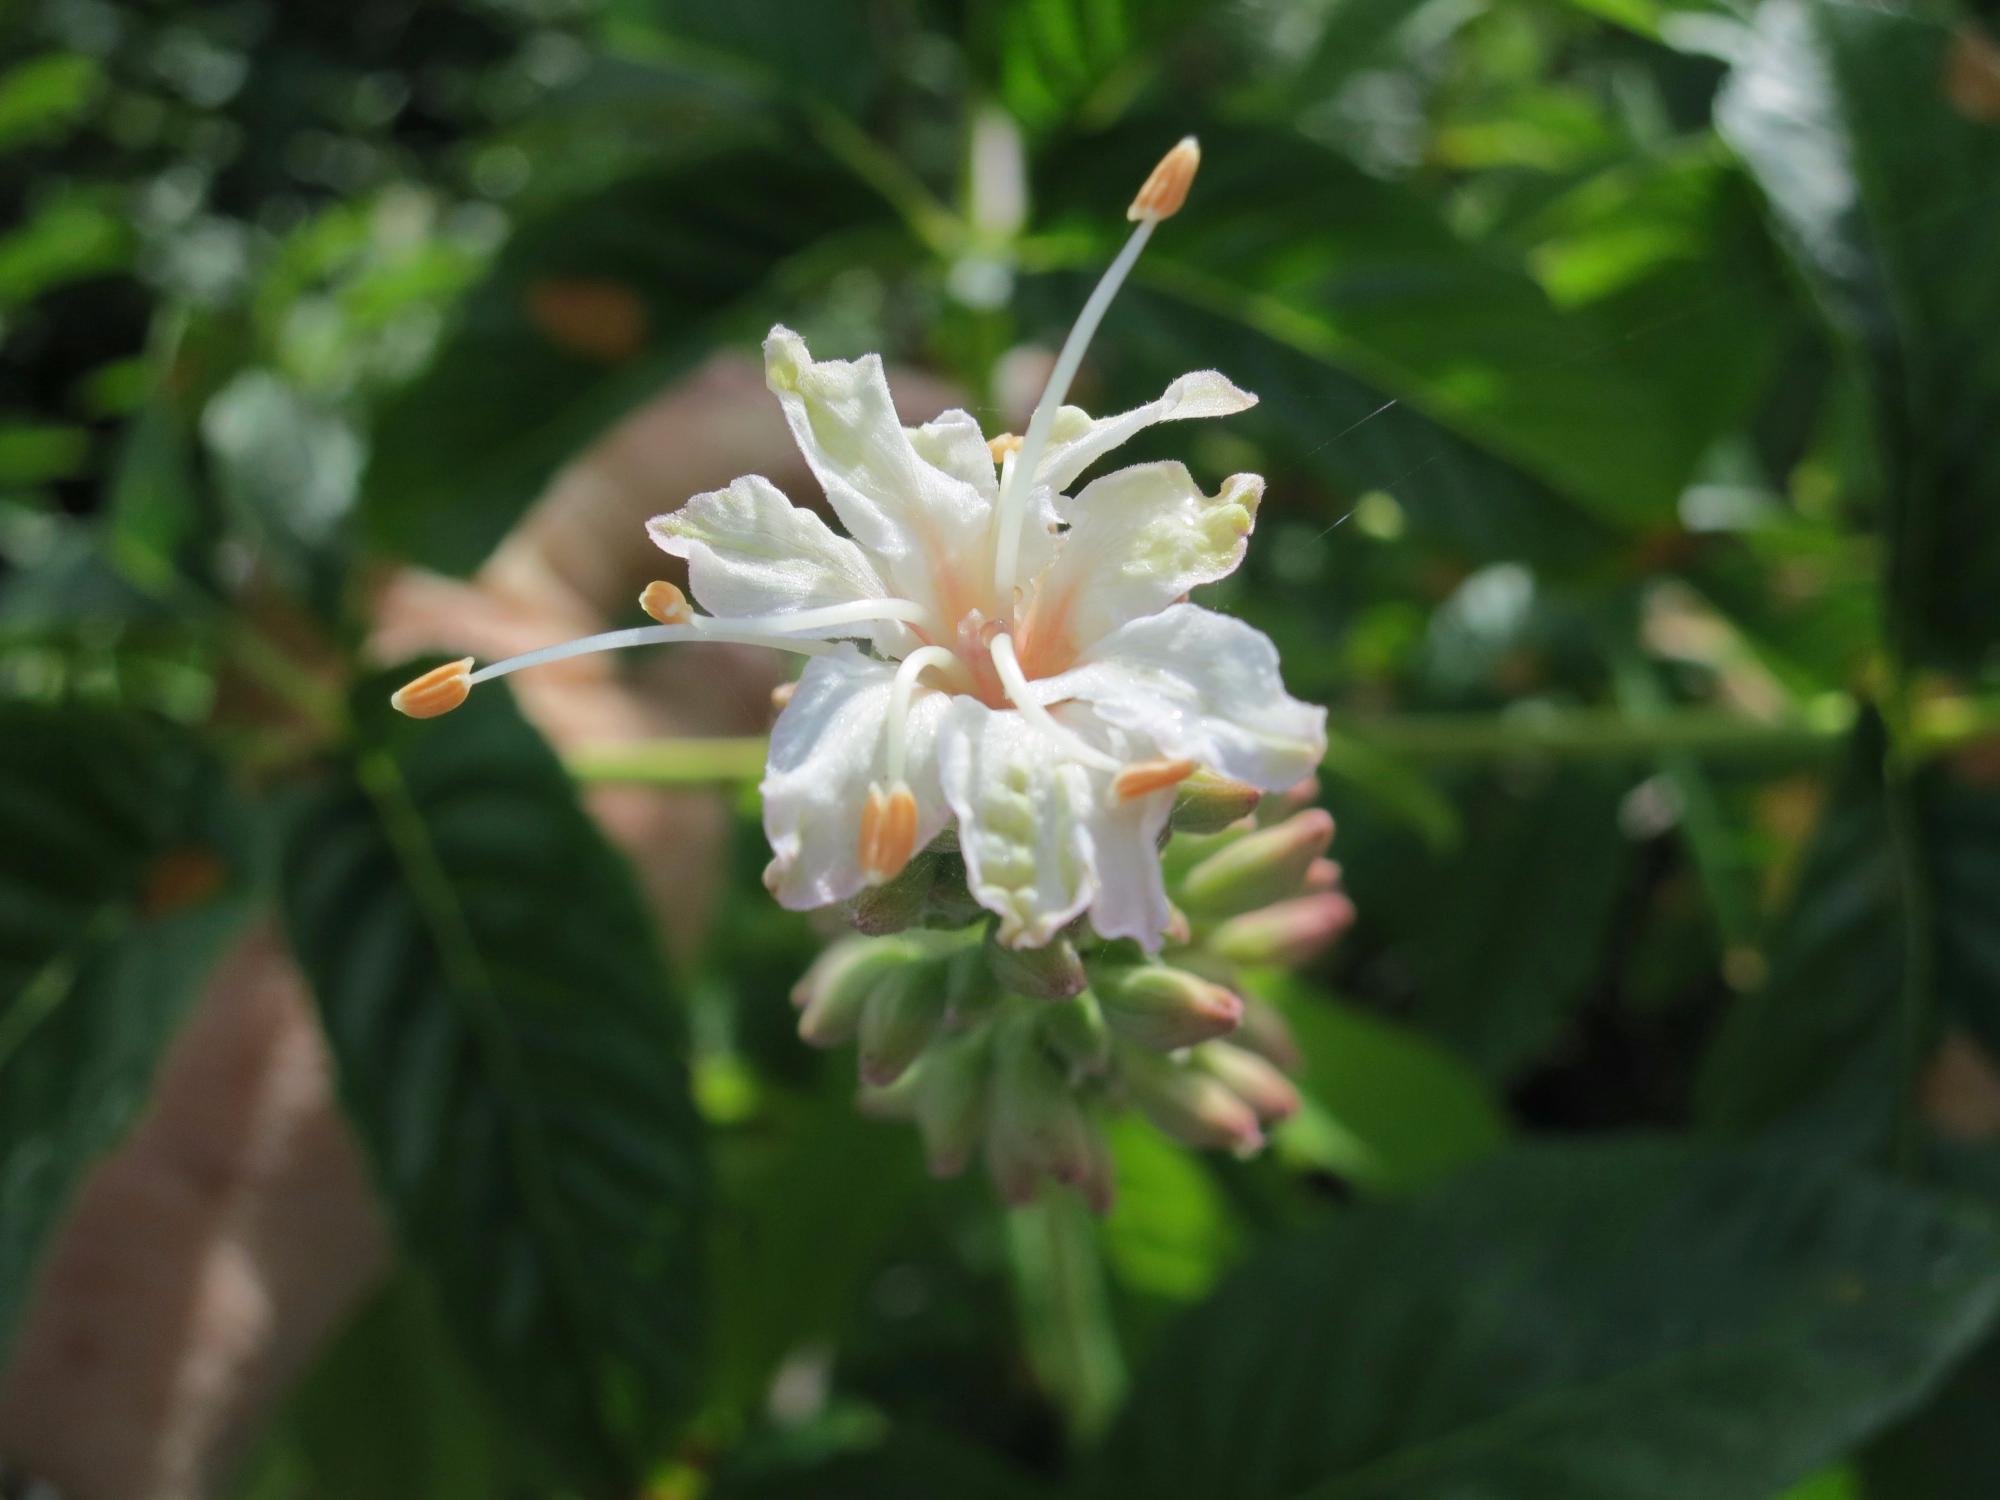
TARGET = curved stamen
(1014,495)
(826,617)
(643,635)
(1008,666)
(1160,197)
(895,751)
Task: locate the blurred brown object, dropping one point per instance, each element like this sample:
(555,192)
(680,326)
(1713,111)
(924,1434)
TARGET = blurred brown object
(204,1262)
(1959,1092)
(1972,75)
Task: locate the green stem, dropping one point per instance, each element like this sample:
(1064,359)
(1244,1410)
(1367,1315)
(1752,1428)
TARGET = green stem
(1065,1318)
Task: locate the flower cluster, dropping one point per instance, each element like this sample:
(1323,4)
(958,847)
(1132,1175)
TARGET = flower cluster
(1015,1055)
(1007,696)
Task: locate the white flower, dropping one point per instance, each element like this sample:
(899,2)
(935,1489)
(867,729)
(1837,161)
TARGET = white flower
(1014,659)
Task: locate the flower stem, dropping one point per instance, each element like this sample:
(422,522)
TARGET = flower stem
(1065,1318)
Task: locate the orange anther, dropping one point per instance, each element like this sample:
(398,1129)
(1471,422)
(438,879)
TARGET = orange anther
(665,603)
(1150,776)
(1163,193)
(888,832)
(438,691)
(1003,445)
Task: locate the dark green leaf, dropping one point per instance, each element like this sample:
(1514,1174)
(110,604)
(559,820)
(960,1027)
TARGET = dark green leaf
(1386,1107)
(1051,59)
(116,861)
(1882,186)
(388,1409)
(1505,935)
(1629,1321)
(508,1046)
(791,47)
(592,309)
(1830,1045)
(908,1464)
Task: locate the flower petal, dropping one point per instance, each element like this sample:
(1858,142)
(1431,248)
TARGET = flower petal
(1140,538)
(891,500)
(951,441)
(1022,810)
(1043,837)
(826,749)
(751,551)
(1203,687)
(1078,440)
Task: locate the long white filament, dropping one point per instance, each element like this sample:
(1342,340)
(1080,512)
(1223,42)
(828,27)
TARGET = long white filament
(1019,483)
(896,731)
(644,635)
(776,631)
(1008,666)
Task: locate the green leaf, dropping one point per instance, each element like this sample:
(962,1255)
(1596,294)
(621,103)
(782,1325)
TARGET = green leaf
(909,1463)
(1299,259)
(120,864)
(1887,943)
(1386,1107)
(789,47)
(1505,936)
(1627,1321)
(508,1046)
(44,97)
(1053,59)
(593,308)
(1878,181)
(388,1409)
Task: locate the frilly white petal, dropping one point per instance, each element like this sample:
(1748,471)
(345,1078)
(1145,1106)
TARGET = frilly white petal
(751,551)
(1139,539)
(826,749)
(1078,440)
(891,500)
(1023,821)
(952,442)
(1203,687)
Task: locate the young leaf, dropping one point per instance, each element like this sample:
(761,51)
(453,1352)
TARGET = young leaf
(508,1046)
(1625,1321)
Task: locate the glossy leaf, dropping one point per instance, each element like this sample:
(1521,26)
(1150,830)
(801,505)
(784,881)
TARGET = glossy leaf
(1630,1321)
(508,1046)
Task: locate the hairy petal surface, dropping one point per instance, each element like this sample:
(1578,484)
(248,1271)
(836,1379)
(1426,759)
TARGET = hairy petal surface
(826,749)
(1199,686)
(751,551)
(952,442)
(1139,539)
(1079,440)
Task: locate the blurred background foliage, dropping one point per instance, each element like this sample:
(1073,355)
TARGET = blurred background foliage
(1629,393)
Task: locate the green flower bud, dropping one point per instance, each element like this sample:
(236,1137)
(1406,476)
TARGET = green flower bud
(950,1100)
(838,986)
(1190,1104)
(1266,865)
(1250,1078)
(1076,1030)
(930,892)
(1285,933)
(1051,973)
(898,1022)
(1161,1008)
(1208,803)
(1037,1126)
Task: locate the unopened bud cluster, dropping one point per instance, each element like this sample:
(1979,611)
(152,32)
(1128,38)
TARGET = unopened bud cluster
(1015,1055)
